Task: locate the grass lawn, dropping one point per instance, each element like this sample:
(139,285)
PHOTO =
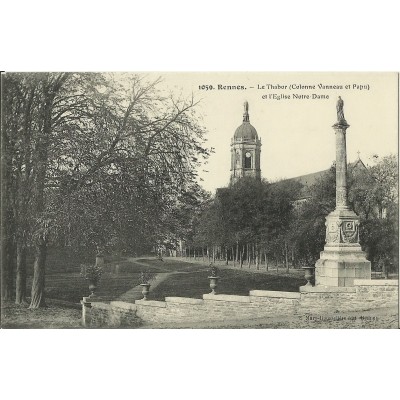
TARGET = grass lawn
(170,264)
(54,316)
(118,277)
(64,283)
(192,281)
(63,280)
(71,287)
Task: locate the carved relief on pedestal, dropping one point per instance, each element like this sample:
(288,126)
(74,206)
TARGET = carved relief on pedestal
(332,231)
(342,231)
(349,232)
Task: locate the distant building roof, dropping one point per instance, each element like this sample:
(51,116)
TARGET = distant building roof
(310,179)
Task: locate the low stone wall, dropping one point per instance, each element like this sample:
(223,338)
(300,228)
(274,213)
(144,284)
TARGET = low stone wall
(217,307)
(116,314)
(365,295)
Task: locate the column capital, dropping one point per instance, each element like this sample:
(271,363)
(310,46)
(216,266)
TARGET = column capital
(342,125)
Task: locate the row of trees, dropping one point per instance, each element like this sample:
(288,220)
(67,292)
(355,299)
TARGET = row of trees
(95,161)
(257,222)
(248,222)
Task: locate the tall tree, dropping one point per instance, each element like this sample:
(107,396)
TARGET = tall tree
(51,85)
(97,158)
(10,120)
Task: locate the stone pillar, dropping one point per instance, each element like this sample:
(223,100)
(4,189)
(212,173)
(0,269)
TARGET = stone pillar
(99,256)
(342,260)
(341,165)
(86,308)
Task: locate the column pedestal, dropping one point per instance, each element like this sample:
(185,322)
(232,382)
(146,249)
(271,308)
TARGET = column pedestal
(342,260)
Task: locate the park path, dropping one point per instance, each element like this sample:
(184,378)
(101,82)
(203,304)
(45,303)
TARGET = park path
(136,292)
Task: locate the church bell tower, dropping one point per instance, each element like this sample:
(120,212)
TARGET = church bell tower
(245,150)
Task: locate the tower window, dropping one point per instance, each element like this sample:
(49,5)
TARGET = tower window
(247,160)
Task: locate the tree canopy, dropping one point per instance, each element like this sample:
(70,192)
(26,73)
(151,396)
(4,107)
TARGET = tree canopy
(94,160)
(252,218)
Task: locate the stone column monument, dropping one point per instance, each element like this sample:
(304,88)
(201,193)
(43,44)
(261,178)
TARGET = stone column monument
(342,260)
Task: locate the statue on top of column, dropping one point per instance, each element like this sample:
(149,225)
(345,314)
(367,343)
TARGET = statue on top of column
(246,117)
(339,110)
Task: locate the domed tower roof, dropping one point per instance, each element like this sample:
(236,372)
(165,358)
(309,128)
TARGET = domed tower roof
(246,131)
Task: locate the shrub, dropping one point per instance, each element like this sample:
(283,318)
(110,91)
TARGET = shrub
(91,272)
(146,277)
(213,271)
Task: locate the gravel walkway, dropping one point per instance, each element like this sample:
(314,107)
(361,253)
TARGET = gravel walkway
(136,292)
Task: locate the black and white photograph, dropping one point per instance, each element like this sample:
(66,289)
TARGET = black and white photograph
(199,200)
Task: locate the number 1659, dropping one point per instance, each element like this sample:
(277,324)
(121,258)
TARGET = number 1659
(206,87)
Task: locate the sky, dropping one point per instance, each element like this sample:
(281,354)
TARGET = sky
(296,133)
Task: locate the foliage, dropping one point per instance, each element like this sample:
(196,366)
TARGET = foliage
(97,160)
(307,230)
(91,272)
(372,193)
(252,218)
(249,211)
(213,271)
(146,277)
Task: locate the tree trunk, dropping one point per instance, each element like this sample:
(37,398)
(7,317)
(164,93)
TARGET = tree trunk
(292,258)
(7,220)
(385,268)
(7,267)
(42,147)
(22,205)
(286,257)
(257,258)
(20,291)
(237,251)
(38,283)
(233,256)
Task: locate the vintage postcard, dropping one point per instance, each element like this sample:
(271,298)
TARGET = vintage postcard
(200,200)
